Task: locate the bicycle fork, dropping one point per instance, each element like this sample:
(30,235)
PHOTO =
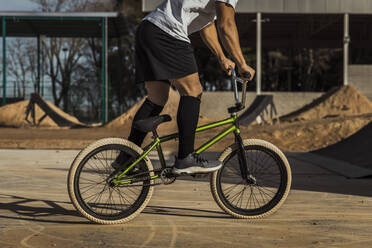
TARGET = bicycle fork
(243,163)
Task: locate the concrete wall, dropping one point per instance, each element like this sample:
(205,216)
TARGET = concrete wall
(214,104)
(305,6)
(360,76)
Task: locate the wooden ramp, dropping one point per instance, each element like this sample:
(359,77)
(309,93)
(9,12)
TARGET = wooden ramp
(51,113)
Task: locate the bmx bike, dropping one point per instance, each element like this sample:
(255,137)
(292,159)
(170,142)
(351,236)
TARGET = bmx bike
(254,181)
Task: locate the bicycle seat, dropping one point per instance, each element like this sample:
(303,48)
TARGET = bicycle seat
(150,124)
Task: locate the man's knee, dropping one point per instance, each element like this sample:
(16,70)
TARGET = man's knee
(189,85)
(195,91)
(190,89)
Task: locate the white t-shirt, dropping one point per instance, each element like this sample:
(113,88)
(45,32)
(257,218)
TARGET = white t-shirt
(180,18)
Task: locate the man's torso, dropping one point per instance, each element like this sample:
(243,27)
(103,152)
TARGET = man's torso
(180,18)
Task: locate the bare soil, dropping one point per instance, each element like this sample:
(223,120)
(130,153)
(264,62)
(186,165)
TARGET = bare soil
(333,117)
(290,137)
(14,115)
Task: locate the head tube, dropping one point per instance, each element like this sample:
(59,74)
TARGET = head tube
(234,80)
(234,85)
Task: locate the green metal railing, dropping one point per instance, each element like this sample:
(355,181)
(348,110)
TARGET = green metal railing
(104,107)
(4,60)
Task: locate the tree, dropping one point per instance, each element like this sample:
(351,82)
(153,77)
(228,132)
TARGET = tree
(62,54)
(21,64)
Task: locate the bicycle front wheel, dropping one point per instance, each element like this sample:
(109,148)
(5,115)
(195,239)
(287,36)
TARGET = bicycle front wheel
(92,194)
(263,192)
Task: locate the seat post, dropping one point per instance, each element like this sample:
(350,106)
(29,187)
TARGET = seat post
(155,133)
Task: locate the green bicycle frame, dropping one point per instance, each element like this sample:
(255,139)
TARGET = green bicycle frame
(158,140)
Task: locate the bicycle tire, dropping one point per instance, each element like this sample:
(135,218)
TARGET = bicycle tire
(117,209)
(220,181)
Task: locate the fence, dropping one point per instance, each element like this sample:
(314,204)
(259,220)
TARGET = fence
(15,90)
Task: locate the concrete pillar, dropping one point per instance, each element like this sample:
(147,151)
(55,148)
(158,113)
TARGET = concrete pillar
(4,60)
(346,48)
(38,65)
(259,53)
(103,71)
(106,71)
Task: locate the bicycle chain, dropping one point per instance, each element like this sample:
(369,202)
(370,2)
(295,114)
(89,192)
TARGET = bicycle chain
(162,172)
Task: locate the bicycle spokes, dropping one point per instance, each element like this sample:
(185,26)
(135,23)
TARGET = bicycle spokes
(260,191)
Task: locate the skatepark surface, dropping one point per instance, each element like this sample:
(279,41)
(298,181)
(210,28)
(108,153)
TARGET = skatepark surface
(323,209)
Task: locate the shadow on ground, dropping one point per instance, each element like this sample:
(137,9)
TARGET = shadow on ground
(307,176)
(310,177)
(20,209)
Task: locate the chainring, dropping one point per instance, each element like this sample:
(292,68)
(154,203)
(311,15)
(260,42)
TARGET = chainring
(167,176)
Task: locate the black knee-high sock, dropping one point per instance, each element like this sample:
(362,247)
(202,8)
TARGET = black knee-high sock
(148,109)
(187,120)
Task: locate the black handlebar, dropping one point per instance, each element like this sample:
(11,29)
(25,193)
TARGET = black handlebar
(246,75)
(239,104)
(234,76)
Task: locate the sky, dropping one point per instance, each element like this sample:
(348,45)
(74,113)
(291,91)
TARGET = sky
(17,5)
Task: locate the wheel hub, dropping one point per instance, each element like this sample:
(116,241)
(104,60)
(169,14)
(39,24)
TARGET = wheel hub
(251,180)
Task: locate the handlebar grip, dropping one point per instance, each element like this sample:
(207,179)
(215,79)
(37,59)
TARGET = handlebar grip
(247,75)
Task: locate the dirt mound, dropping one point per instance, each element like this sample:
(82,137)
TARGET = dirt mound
(125,120)
(13,115)
(340,101)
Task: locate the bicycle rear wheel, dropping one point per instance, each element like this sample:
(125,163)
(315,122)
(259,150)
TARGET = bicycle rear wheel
(265,193)
(92,194)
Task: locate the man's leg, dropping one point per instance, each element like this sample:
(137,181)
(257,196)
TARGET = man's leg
(157,97)
(190,90)
(187,119)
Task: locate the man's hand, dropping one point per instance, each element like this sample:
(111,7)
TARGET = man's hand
(226,65)
(246,69)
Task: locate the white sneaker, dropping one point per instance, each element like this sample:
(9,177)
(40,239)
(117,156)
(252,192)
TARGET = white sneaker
(194,164)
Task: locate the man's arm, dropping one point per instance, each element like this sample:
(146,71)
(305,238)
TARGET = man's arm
(210,37)
(228,33)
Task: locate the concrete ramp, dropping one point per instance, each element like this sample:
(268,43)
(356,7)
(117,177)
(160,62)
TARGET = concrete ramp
(56,116)
(351,157)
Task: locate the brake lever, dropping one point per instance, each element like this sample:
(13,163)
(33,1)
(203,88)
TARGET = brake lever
(247,75)
(240,80)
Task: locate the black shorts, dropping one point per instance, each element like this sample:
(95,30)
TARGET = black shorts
(160,57)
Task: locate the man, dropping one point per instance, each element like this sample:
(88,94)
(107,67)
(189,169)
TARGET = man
(164,55)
